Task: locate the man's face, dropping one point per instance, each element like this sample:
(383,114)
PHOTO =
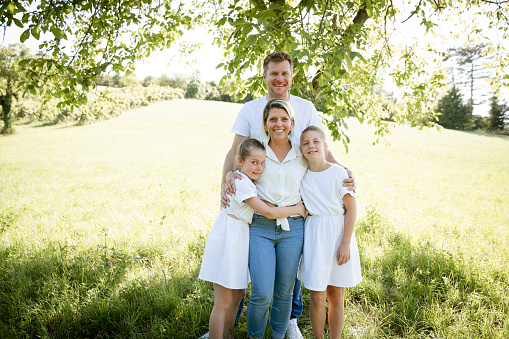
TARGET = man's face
(278,79)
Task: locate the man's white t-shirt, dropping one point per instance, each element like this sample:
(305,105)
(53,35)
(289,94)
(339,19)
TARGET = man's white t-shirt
(249,120)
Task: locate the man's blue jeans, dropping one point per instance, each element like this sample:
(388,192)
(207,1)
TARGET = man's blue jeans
(274,257)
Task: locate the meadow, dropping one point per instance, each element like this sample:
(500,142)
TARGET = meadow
(102,228)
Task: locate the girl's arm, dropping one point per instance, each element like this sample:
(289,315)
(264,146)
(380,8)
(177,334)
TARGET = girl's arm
(275,212)
(343,253)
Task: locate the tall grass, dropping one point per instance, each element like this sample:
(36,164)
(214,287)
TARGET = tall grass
(102,228)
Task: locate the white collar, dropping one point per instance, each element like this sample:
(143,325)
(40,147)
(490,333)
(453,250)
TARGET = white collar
(292,154)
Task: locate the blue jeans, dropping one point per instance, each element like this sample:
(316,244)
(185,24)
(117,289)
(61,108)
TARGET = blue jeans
(297,305)
(274,257)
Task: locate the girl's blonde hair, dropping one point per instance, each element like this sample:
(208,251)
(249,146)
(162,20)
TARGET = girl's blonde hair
(247,146)
(318,130)
(314,129)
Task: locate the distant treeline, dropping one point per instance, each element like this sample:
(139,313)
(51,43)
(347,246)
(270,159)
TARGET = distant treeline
(125,92)
(191,86)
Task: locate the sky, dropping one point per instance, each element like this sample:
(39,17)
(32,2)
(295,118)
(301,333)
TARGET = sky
(166,62)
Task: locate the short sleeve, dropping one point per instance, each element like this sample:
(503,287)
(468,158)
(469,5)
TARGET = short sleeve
(241,124)
(314,118)
(244,189)
(340,176)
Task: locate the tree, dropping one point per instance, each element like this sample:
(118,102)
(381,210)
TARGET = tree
(452,112)
(195,90)
(149,81)
(342,49)
(497,114)
(470,60)
(84,39)
(10,76)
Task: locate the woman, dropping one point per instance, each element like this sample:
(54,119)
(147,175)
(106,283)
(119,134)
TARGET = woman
(275,246)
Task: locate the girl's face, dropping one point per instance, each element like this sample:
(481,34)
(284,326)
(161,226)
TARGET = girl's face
(254,164)
(278,123)
(312,146)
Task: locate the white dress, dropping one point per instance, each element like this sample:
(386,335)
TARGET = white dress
(226,254)
(322,193)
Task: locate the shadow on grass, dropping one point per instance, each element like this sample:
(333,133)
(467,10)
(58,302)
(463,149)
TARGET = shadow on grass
(408,290)
(498,135)
(422,290)
(61,293)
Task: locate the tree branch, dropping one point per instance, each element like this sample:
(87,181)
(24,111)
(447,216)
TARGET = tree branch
(495,2)
(414,12)
(360,18)
(321,21)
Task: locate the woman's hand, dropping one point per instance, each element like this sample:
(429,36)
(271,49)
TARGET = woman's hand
(343,254)
(228,188)
(302,209)
(350,181)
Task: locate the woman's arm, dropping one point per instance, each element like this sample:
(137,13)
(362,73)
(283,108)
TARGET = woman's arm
(275,212)
(343,253)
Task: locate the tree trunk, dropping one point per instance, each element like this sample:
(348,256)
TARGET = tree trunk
(6,103)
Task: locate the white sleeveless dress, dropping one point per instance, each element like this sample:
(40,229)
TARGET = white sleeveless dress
(322,193)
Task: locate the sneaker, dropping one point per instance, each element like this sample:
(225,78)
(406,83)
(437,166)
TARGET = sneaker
(205,336)
(293,331)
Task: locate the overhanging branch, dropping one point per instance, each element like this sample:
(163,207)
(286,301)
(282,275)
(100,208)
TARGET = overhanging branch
(360,18)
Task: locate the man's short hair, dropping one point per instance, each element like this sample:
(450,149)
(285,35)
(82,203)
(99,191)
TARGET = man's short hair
(277,57)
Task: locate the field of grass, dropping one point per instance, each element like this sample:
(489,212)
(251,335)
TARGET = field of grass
(102,228)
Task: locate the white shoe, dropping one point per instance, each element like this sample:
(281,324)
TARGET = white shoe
(205,336)
(293,331)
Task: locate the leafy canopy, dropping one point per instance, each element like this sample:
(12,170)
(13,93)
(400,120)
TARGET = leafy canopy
(343,49)
(79,40)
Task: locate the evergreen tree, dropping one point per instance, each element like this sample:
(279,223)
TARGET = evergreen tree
(453,112)
(497,114)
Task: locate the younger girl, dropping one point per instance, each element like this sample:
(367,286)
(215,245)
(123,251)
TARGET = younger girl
(225,261)
(330,260)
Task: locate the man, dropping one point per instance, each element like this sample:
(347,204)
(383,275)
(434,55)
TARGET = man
(277,74)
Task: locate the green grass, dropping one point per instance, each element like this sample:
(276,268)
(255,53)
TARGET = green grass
(102,228)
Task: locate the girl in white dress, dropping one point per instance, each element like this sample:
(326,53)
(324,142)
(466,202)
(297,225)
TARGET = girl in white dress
(330,260)
(225,261)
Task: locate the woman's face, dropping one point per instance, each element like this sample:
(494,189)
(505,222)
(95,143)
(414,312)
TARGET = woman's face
(278,123)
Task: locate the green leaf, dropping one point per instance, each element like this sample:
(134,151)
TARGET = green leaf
(11,8)
(358,55)
(24,36)
(221,22)
(251,39)
(222,82)
(32,90)
(17,22)
(35,32)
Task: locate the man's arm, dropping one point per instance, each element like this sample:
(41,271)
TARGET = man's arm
(229,160)
(228,166)
(350,181)
(330,157)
